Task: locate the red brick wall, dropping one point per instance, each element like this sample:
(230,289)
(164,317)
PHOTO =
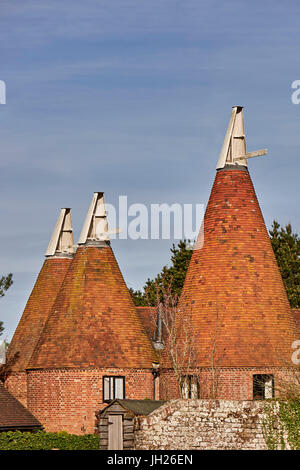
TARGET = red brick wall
(67,399)
(17,386)
(229,384)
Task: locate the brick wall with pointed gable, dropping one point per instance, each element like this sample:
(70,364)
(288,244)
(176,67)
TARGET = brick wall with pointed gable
(33,320)
(233,292)
(93,330)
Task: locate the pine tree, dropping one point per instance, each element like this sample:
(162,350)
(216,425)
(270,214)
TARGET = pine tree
(5,283)
(173,276)
(286,246)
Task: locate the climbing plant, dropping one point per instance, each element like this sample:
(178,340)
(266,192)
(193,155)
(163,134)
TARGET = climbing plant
(281,424)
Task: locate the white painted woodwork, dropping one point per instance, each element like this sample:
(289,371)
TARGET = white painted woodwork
(62,241)
(115,432)
(257,153)
(95,226)
(185,388)
(194,388)
(268,388)
(233,151)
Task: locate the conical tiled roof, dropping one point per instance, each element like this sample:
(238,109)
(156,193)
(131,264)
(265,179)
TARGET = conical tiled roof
(93,322)
(43,294)
(296,315)
(148,318)
(233,290)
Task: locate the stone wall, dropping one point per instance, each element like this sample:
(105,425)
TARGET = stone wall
(201,425)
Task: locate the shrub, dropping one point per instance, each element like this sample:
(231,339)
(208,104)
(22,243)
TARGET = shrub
(40,440)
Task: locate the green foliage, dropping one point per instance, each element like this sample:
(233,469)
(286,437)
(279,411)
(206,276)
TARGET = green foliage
(5,283)
(286,246)
(138,297)
(40,440)
(289,415)
(272,427)
(281,425)
(173,276)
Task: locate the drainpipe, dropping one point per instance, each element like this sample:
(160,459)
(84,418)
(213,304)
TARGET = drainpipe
(155,373)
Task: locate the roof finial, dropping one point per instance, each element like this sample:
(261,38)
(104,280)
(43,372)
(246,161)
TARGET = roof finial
(62,242)
(234,147)
(95,227)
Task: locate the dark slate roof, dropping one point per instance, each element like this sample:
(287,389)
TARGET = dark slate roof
(13,415)
(140,407)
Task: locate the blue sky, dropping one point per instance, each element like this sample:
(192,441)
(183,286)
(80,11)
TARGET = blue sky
(133,97)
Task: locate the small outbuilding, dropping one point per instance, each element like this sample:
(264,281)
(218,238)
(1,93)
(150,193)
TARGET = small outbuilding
(116,422)
(14,416)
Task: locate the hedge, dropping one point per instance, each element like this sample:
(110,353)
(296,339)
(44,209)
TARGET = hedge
(40,440)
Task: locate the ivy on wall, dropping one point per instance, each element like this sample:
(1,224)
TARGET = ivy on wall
(281,425)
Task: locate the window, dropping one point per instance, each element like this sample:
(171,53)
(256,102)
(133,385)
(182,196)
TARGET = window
(113,387)
(190,387)
(263,386)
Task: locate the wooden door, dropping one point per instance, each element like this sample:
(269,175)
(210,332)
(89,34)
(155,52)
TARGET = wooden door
(115,432)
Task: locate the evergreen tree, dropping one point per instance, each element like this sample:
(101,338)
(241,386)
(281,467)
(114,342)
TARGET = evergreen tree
(173,275)
(286,246)
(138,297)
(5,283)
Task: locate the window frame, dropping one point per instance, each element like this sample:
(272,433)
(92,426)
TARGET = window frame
(188,381)
(260,380)
(113,379)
